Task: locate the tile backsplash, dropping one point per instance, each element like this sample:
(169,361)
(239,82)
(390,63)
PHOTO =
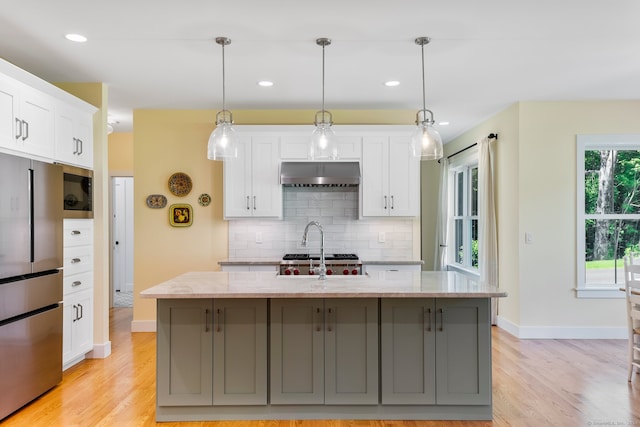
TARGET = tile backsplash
(336,209)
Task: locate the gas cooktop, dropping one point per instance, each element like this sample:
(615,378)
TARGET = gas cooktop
(327,257)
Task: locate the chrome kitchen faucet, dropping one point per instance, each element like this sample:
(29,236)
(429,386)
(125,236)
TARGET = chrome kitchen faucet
(322,269)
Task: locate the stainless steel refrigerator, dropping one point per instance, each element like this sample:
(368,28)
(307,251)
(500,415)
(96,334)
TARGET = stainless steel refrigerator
(31,203)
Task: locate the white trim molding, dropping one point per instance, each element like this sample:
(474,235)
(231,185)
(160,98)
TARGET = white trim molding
(100,351)
(562,332)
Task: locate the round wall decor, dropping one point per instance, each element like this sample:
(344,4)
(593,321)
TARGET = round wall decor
(180,184)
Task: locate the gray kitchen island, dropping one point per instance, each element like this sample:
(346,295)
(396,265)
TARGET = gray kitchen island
(391,345)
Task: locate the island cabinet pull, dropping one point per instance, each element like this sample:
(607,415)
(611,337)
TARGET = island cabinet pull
(75,260)
(385,202)
(206,320)
(254,203)
(441,313)
(218,328)
(76,283)
(75,232)
(248,203)
(392,203)
(427,318)
(329,314)
(318,319)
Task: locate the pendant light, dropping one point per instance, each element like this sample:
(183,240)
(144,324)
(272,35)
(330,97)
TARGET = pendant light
(323,144)
(426,142)
(223,144)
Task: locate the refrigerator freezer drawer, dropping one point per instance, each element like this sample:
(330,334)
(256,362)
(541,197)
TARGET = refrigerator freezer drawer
(31,355)
(23,296)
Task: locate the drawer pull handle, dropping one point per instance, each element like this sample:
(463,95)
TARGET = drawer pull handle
(75,232)
(75,260)
(76,283)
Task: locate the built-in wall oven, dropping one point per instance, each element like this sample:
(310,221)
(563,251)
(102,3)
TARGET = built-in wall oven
(77,192)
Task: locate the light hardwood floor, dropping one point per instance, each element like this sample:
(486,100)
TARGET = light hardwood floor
(535,383)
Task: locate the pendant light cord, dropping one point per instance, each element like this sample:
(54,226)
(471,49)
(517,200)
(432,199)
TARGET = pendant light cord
(323,82)
(223,79)
(424,90)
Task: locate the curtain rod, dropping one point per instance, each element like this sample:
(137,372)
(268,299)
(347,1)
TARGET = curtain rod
(491,136)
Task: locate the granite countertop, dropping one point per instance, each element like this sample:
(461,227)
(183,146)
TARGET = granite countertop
(384,284)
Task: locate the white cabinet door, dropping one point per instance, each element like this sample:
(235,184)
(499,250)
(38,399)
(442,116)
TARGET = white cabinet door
(36,117)
(237,182)
(74,137)
(77,330)
(8,106)
(390,177)
(251,182)
(375,176)
(404,178)
(26,119)
(266,189)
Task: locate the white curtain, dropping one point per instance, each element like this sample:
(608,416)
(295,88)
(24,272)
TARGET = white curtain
(488,231)
(440,261)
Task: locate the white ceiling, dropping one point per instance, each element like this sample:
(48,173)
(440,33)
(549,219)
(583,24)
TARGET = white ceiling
(484,55)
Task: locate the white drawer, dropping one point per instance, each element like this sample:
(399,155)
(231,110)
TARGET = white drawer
(77,282)
(78,260)
(78,232)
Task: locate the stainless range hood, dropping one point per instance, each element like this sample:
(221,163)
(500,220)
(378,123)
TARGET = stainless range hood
(320,174)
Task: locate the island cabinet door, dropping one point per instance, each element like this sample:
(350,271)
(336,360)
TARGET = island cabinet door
(240,352)
(297,351)
(184,352)
(408,351)
(463,355)
(351,351)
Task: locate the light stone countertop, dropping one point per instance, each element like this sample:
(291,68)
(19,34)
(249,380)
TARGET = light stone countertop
(384,284)
(254,261)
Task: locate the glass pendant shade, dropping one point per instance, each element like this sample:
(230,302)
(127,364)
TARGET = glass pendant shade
(324,145)
(223,142)
(426,143)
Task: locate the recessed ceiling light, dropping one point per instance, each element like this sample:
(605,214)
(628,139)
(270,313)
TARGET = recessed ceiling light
(79,38)
(265,83)
(443,123)
(391,83)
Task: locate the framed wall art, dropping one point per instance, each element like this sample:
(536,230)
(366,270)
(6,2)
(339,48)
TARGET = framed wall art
(181,215)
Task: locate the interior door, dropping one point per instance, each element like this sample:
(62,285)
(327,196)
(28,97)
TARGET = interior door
(122,234)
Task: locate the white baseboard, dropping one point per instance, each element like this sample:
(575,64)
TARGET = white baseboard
(561,332)
(143,326)
(100,351)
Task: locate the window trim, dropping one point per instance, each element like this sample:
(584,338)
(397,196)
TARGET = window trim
(583,143)
(464,161)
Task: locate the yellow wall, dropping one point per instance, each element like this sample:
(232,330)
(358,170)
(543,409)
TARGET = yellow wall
(536,193)
(168,141)
(121,154)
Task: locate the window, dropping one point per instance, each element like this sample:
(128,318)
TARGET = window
(463,254)
(608,211)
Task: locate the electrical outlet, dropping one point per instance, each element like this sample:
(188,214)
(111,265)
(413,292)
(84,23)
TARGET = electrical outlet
(259,237)
(381,237)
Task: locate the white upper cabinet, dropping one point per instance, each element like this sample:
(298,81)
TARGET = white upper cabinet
(39,120)
(390,177)
(26,119)
(74,136)
(295,143)
(252,181)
